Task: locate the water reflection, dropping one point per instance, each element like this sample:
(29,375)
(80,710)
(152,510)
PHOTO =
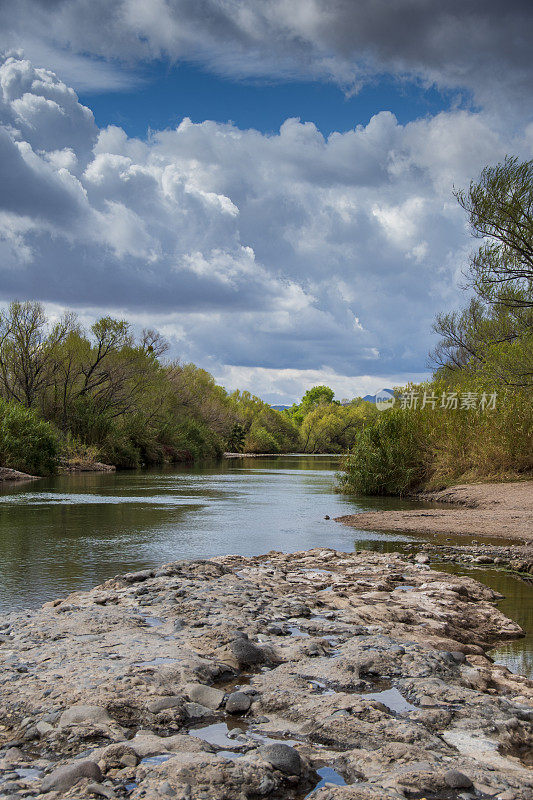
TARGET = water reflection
(517,604)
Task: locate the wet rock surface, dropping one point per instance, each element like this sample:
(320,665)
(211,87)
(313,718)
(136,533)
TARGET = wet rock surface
(339,676)
(517,558)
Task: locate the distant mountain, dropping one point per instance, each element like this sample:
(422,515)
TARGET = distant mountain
(279,408)
(371,398)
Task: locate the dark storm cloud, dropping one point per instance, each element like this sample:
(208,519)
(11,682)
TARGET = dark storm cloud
(483,46)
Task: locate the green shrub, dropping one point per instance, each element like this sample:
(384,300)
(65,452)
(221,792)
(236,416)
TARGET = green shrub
(430,448)
(27,443)
(388,456)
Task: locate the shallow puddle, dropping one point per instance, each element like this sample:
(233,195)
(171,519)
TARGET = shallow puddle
(153,622)
(392,699)
(327,775)
(294,630)
(29,774)
(156,662)
(217,734)
(154,760)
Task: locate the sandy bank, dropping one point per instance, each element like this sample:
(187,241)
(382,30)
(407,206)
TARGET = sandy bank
(484,509)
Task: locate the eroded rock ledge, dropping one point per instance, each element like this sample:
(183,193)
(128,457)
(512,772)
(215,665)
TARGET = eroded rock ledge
(337,676)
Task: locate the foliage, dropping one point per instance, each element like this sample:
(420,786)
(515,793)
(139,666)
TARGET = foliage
(500,212)
(492,338)
(388,456)
(112,396)
(333,428)
(27,443)
(406,449)
(486,347)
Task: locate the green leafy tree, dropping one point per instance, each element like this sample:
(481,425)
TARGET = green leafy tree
(500,211)
(29,347)
(492,338)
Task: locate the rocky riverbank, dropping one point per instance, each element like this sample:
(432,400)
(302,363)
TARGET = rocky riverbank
(10,475)
(484,509)
(70,465)
(339,676)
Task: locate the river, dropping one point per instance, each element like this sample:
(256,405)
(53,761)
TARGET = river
(75,531)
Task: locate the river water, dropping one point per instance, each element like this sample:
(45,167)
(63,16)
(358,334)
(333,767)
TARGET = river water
(73,532)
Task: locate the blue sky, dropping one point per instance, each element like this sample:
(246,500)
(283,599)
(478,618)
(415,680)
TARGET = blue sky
(164,94)
(268,184)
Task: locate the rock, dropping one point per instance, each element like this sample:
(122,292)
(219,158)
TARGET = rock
(246,653)
(100,790)
(163,703)
(197,711)
(422,558)
(238,703)
(13,756)
(81,714)
(166,788)
(138,577)
(282,757)
(204,695)
(459,657)
(118,755)
(63,778)
(457,780)
(378,632)
(43,728)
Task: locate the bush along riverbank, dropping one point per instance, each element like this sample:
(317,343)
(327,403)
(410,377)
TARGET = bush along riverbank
(271,676)
(474,420)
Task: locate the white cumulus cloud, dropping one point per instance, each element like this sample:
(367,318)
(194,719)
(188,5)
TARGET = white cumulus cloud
(252,251)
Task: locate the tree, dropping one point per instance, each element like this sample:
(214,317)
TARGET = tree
(318,395)
(29,346)
(500,211)
(493,337)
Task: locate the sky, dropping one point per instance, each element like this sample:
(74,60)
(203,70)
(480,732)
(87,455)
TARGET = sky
(268,183)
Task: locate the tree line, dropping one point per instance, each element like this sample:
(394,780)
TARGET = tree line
(75,396)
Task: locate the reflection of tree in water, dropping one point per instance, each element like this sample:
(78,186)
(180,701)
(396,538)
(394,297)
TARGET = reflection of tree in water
(518,606)
(516,656)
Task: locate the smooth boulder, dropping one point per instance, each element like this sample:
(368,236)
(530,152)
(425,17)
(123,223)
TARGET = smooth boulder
(62,778)
(204,695)
(82,714)
(457,780)
(238,703)
(282,757)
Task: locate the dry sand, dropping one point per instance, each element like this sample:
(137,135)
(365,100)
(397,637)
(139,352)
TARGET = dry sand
(482,509)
